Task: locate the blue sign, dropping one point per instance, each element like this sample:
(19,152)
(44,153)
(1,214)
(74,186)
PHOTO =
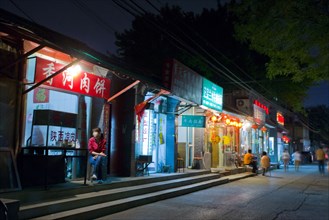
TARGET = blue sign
(212,95)
(197,121)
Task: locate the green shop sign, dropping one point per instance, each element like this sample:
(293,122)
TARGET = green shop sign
(196,121)
(212,95)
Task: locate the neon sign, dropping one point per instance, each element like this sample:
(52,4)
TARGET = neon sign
(259,104)
(280,118)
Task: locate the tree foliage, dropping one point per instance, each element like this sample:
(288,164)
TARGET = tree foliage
(198,41)
(319,120)
(293,34)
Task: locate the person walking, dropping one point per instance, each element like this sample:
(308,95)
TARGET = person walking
(320,156)
(297,159)
(265,162)
(286,159)
(248,159)
(97,148)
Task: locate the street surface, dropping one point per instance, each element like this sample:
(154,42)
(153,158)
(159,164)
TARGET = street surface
(283,195)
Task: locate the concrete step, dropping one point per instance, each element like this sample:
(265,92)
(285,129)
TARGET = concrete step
(92,198)
(66,190)
(107,208)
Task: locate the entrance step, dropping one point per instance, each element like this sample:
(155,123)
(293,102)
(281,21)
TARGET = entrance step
(107,208)
(111,193)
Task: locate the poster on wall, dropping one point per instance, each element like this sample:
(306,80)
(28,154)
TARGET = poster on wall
(82,82)
(40,95)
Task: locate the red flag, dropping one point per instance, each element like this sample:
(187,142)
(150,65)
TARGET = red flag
(139,108)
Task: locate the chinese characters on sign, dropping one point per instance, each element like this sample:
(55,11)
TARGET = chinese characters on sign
(196,121)
(259,115)
(182,81)
(62,136)
(212,95)
(83,83)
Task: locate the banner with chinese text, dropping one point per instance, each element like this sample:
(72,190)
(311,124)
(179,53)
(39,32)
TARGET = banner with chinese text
(82,83)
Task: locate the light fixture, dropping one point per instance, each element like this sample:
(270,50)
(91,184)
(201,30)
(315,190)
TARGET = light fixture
(254,126)
(264,129)
(74,70)
(228,121)
(213,118)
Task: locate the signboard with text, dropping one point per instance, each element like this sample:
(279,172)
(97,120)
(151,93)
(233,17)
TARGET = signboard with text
(197,121)
(82,83)
(212,95)
(259,115)
(182,81)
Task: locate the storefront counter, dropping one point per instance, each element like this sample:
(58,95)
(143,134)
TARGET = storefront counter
(48,165)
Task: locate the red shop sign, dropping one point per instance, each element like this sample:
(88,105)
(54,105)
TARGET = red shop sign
(82,83)
(259,104)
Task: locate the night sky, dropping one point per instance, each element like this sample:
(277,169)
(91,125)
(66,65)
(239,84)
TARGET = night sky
(96,24)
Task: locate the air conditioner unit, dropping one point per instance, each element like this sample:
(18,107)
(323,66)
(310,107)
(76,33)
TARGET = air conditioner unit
(242,105)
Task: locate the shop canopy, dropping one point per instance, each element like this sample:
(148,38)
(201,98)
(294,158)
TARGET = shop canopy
(17,27)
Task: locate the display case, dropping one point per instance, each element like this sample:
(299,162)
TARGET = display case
(51,155)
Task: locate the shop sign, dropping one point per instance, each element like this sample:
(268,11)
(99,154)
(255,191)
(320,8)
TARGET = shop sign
(259,115)
(196,121)
(212,95)
(259,104)
(182,81)
(280,118)
(82,83)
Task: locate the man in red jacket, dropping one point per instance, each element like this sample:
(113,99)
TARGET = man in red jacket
(97,148)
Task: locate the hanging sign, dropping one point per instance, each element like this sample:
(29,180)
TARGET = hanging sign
(182,81)
(196,121)
(82,83)
(212,95)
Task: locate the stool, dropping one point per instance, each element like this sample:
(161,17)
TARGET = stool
(180,164)
(197,163)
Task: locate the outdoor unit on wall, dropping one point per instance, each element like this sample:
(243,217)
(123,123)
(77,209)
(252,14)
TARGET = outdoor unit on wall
(243,105)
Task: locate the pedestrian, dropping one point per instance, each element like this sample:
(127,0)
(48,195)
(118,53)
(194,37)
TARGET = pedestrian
(286,159)
(96,148)
(297,159)
(248,159)
(265,162)
(320,156)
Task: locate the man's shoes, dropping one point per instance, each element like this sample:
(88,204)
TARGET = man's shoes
(93,177)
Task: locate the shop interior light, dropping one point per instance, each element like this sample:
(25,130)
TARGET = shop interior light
(228,121)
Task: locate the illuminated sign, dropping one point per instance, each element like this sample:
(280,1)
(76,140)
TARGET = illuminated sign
(83,83)
(259,104)
(212,95)
(259,115)
(280,118)
(196,121)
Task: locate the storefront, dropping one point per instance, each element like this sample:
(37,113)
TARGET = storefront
(151,132)
(59,104)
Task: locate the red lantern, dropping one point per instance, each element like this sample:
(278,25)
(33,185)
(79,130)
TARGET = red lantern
(254,126)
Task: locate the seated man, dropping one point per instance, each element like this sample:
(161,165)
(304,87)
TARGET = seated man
(249,160)
(265,162)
